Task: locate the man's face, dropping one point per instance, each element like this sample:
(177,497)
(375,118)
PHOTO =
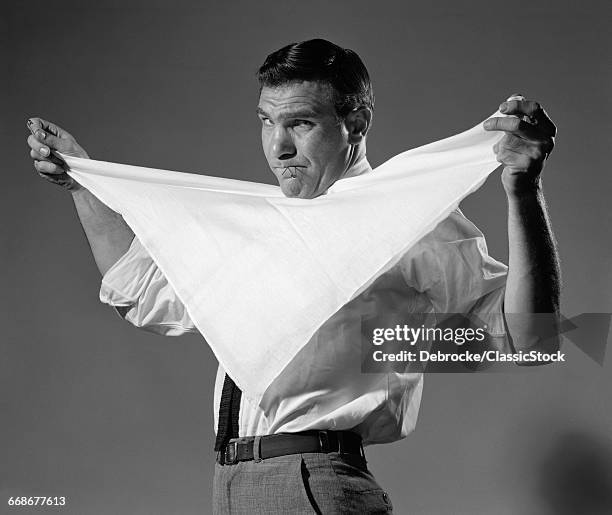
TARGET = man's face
(304,142)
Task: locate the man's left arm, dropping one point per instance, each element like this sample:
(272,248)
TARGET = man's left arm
(533,282)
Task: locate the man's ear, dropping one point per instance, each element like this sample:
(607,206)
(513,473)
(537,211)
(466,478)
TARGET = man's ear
(357,123)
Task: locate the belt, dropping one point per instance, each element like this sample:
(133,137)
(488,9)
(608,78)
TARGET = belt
(281,444)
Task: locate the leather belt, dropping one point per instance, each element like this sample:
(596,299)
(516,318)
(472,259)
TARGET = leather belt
(281,444)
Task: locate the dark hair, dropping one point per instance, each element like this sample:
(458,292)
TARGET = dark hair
(321,60)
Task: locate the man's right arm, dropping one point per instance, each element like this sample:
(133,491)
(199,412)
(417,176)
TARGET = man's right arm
(131,281)
(108,235)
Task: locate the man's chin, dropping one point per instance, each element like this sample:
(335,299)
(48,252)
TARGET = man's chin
(293,188)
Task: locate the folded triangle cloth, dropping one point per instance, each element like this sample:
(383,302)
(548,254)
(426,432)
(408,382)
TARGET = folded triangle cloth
(258,272)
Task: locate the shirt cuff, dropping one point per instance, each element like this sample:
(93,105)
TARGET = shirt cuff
(490,311)
(140,294)
(124,283)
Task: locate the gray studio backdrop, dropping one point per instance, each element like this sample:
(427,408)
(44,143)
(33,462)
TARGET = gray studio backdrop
(120,421)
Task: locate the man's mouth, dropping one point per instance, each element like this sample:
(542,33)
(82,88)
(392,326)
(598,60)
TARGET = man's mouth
(289,171)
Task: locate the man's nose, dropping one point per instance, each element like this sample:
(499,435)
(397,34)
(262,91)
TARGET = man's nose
(282,144)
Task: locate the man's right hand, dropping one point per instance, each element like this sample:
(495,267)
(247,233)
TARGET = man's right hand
(45,138)
(107,233)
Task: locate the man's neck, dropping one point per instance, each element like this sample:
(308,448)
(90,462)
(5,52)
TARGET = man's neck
(360,167)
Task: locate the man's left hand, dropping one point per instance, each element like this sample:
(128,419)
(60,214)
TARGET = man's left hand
(528,141)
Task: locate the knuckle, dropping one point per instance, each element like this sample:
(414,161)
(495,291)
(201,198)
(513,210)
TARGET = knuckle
(537,153)
(514,143)
(46,177)
(45,166)
(63,144)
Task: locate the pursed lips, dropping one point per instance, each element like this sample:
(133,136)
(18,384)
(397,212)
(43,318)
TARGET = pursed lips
(291,169)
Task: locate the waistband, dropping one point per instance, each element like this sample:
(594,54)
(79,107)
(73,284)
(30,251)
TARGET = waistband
(271,446)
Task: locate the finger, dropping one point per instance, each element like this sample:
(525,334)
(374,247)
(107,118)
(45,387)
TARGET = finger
(48,127)
(537,151)
(33,142)
(51,134)
(513,159)
(38,146)
(36,155)
(48,168)
(514,126)
(42,149)
(49,177)
(60,179)
(533,110)
(63,181)
(43,142)
(520,107)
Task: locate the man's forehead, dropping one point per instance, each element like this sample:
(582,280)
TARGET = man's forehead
(296,96)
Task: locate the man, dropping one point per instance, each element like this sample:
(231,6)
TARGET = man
(300,449)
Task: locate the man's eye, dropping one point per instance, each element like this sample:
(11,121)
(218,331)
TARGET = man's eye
(303,123)
(267,122)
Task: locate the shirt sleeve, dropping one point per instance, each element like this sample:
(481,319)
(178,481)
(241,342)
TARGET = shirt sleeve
(453,267)
(141,294)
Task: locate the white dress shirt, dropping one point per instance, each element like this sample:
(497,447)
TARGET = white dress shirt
(447,271)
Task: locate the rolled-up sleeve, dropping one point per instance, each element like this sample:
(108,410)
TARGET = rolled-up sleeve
(453,267)
(141,294)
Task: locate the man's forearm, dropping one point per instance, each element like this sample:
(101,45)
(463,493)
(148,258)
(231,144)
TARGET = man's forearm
(533,283)
(108,235)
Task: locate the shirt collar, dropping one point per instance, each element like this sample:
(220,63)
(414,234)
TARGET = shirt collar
(359,168)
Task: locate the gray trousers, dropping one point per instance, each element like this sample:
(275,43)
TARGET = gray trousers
(298,484)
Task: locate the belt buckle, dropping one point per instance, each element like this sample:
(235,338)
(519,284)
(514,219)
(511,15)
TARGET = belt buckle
(230,454)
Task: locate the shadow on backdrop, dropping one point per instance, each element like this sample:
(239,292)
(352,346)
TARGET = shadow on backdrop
(576,475)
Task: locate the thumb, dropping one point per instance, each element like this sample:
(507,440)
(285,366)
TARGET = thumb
(53,136)
(515,96)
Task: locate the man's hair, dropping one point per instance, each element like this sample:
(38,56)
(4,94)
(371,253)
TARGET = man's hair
(322,61)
